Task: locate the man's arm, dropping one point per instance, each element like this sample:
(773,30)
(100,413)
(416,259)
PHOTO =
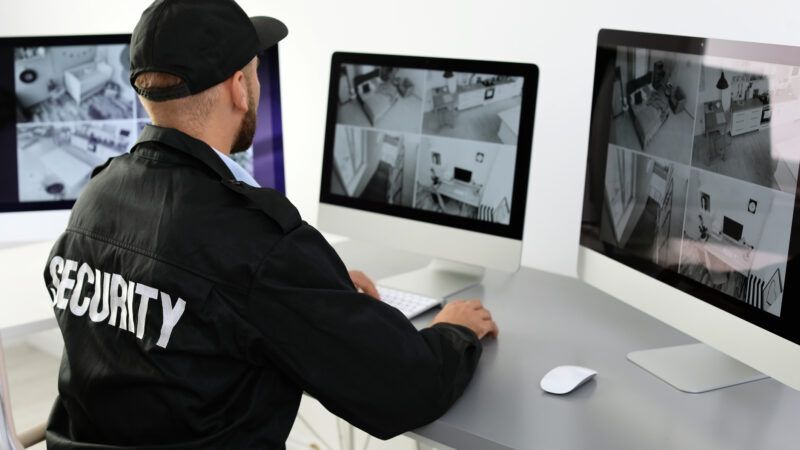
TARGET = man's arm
(361,358)
(363,284)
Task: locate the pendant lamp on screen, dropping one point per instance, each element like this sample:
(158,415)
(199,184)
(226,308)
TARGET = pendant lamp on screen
(722,84)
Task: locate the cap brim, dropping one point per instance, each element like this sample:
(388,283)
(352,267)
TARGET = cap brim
(269,30)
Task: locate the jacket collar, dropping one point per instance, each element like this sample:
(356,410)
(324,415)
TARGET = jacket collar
(184,143)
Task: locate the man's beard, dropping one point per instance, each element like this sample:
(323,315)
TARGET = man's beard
(248,129)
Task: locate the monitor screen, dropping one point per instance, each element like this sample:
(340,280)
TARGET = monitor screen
(66,106)
(462,175)
(437,140)
(732,228)
(692,172)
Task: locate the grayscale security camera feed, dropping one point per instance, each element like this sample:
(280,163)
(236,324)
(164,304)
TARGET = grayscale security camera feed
(702,168)
(438,141)
(75,109)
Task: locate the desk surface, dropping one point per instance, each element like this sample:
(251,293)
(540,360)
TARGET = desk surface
(547,320)
(467,193)
(737,256)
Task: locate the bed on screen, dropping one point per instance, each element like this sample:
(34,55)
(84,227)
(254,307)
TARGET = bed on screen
(649,108)
(375,94)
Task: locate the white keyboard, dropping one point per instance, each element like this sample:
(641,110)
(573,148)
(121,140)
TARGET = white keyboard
(411,305)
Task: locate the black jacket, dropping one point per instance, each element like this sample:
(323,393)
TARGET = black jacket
(196,309)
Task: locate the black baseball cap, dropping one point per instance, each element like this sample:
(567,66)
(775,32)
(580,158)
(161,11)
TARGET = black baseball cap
(203,42)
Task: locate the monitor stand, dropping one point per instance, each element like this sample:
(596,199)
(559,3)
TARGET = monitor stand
(694,368)
(439,279)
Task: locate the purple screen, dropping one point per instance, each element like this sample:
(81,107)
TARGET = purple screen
(66,106)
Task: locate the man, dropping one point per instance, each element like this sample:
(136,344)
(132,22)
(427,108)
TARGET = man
(196,307)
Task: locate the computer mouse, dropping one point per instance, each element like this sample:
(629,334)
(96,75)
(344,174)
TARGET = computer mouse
(565,379)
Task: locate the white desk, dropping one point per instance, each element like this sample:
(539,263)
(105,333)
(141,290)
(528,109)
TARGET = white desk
(25,307)
(737,256)
(547,320)
(466,193)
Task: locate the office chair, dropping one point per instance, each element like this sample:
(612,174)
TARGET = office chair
(9,440)
(717,276)
(442,204)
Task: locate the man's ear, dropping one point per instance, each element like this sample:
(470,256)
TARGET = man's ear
(239,91)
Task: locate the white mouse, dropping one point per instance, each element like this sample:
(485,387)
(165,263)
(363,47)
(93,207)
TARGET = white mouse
(565,379)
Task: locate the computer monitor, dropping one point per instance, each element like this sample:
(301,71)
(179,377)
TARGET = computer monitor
(690,211)
(430,155)
(66,106)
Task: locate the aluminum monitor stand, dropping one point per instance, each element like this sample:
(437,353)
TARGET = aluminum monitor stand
(694,368)
(439,279)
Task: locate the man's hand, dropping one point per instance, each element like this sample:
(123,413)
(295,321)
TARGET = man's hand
(470,314)
(364,284)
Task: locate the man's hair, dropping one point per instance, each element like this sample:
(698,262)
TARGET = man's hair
(192,110)
(157,80)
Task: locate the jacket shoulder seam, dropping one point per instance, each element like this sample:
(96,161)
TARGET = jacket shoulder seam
(261,263)
(134,249)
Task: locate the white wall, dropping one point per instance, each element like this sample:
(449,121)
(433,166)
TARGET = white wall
(774,239)
(412,144)
(558,36)
(500,184)
(369,139)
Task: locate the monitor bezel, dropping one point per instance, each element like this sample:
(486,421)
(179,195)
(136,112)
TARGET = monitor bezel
(783,326)
(530,73)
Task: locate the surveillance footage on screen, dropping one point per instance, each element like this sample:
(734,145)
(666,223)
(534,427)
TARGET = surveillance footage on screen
(75,109)
(702,169)
(438,141)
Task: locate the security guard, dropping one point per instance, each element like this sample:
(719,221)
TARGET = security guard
(195,306)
